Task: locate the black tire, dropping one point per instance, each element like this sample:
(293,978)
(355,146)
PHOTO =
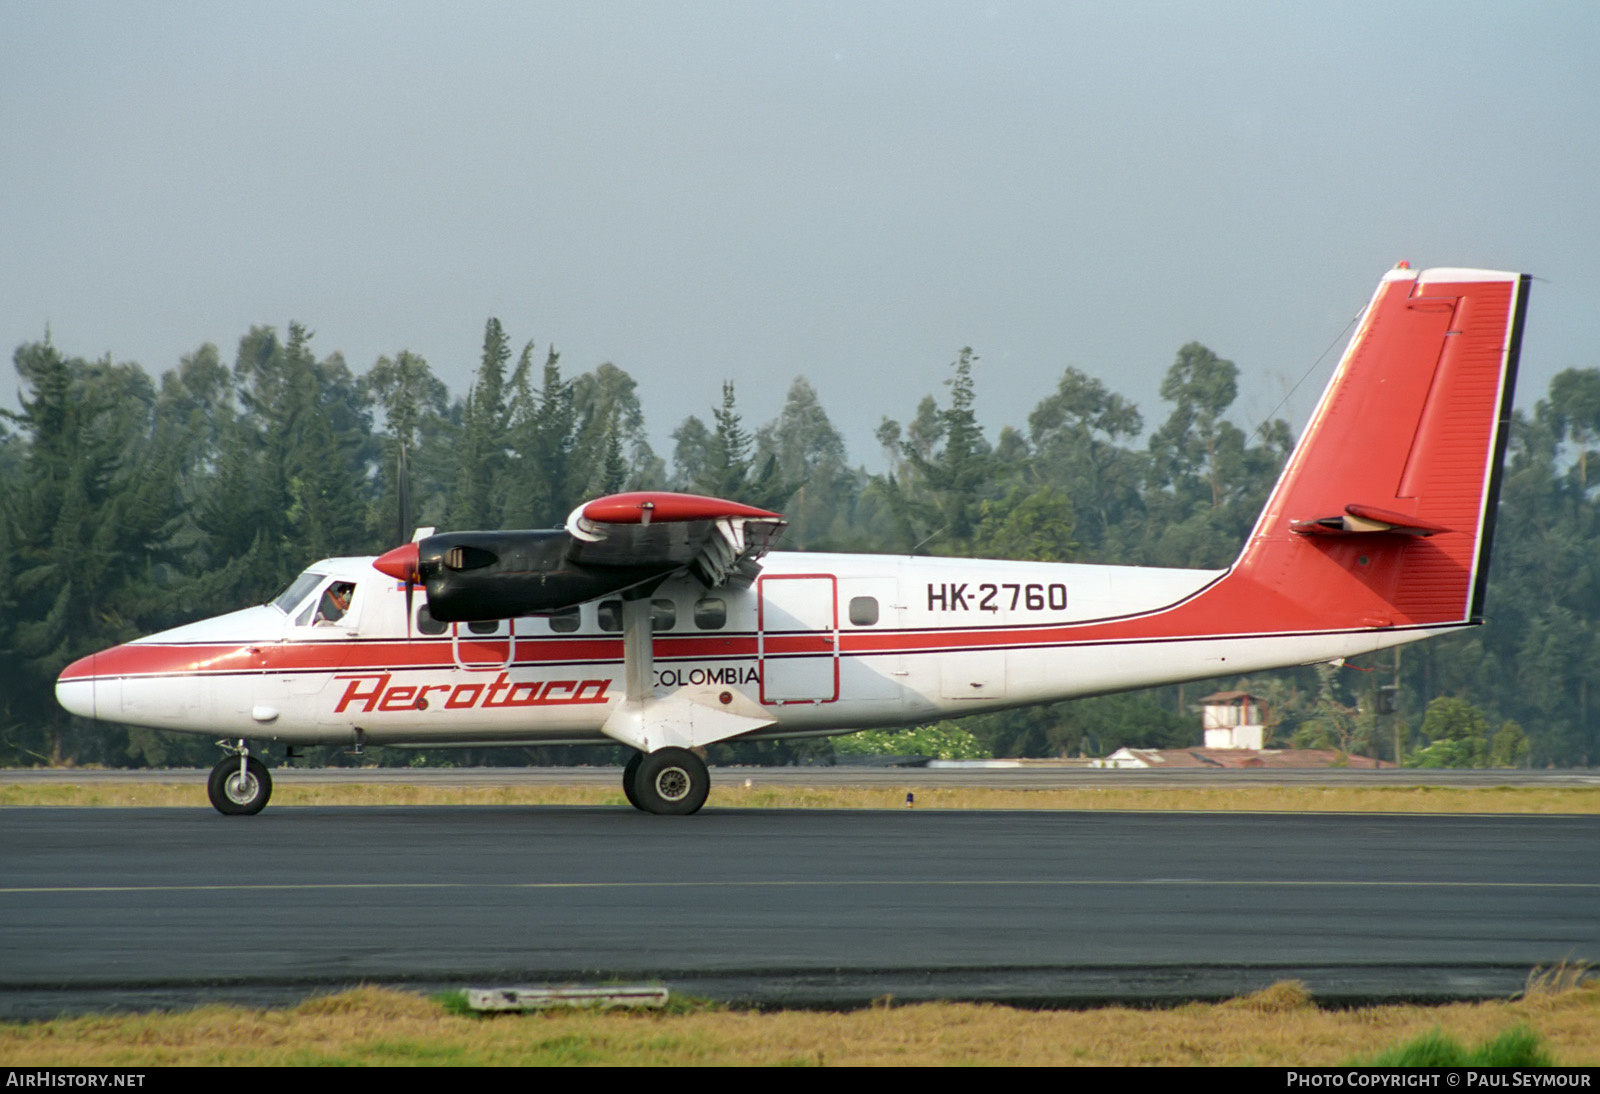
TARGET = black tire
(235,797)
(630,771)
(672,781)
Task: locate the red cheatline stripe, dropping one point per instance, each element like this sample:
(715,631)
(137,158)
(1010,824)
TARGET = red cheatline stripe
(158,661)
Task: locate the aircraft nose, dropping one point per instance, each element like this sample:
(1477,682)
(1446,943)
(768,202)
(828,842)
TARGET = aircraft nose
(76,686)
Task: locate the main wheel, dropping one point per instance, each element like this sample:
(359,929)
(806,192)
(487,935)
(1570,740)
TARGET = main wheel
(629,772)
(671,780)
(239,793)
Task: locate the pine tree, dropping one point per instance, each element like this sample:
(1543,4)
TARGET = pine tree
(606,401)
(415,406)
(88,512)
(483,444)
(1078,436)
(945,469)
(544,432)
(808,455)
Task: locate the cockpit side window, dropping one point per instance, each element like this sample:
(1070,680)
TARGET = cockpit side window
(297,591)
(335,602)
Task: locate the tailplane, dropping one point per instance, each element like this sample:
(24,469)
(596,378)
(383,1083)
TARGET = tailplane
(1384,514)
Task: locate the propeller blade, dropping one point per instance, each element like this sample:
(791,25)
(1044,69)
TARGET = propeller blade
(405,528)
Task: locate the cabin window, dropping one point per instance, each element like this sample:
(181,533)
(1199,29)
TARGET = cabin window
(426,623)
(484,626)
(863,610)
(663,615)
(710,613)
(566,620)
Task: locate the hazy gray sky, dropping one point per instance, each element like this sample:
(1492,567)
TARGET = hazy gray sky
(753,191)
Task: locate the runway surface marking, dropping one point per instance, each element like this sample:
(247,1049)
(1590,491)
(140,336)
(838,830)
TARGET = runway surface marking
(816,884)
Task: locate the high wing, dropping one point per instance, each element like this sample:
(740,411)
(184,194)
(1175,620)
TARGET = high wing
(621,543)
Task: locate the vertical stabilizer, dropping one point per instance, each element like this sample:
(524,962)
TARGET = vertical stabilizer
(1383,515)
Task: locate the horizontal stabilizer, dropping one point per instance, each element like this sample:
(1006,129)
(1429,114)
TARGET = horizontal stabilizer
(1366,520)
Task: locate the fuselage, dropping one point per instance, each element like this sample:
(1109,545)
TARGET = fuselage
(824,643)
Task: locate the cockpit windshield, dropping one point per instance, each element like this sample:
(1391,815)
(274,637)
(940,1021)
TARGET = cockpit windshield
(297,591)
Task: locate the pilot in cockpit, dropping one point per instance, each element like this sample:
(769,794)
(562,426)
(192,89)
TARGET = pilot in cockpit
(335,602)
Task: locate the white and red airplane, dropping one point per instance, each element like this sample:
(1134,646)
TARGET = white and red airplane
(661,621)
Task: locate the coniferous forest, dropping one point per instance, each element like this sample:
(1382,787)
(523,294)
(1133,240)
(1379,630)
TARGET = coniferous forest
(130,503)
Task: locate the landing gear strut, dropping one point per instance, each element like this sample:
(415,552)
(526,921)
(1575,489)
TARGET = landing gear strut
(669,780)
(239,784)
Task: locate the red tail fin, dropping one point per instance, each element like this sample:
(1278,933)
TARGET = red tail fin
(1383,515)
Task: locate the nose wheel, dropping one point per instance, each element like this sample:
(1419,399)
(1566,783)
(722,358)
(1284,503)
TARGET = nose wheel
(239,785)
(671,781)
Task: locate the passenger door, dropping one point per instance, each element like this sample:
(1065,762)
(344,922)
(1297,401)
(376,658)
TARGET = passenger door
(798,638)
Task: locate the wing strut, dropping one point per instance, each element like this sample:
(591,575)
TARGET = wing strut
(638,650)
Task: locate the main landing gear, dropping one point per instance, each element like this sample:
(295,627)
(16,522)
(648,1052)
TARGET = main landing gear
(239,784)
(673,781)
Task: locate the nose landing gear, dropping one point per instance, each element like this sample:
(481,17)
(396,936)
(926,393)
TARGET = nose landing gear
(239,785)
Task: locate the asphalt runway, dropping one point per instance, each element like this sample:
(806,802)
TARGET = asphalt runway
(165,907)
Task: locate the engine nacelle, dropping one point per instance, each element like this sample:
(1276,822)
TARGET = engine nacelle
(495,575)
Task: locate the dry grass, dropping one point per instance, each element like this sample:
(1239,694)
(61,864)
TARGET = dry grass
(733,795)
(1278,1026)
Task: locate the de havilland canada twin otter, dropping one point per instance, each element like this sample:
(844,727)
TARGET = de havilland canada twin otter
(664,622)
